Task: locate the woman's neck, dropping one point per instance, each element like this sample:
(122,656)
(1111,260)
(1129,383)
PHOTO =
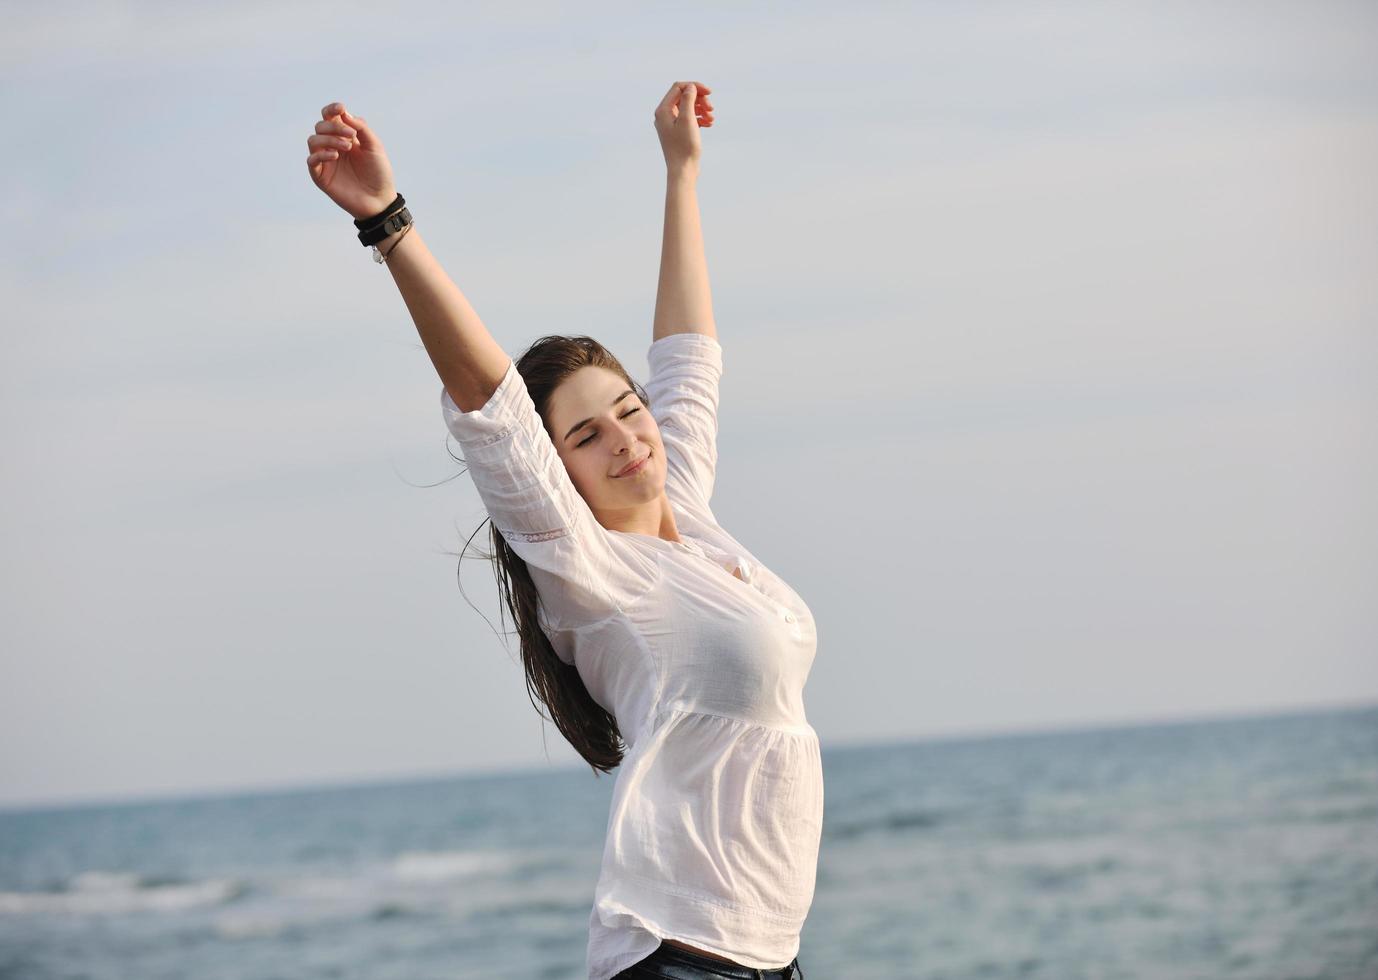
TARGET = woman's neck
(656,519)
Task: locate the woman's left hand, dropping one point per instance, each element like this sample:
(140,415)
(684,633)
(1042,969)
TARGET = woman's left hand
(684,110)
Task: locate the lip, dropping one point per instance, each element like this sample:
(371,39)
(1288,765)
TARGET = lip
(634,467)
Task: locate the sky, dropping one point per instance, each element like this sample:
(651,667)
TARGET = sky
(1051,370)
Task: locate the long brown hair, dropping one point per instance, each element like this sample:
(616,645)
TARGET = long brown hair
(550,681)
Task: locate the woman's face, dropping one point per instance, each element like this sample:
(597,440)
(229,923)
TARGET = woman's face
(600,428)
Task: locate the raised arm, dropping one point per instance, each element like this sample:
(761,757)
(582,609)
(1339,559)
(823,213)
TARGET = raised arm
(683,301)
(580,570)
(348,163)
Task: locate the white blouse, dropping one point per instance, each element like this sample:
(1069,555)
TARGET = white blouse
(717,810)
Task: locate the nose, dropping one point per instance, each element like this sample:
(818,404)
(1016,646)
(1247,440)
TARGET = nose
(626,439)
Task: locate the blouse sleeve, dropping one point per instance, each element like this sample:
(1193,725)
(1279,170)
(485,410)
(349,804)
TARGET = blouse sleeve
(581,575)
(683,390)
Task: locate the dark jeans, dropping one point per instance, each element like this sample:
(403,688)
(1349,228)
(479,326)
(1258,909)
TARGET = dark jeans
(672,963)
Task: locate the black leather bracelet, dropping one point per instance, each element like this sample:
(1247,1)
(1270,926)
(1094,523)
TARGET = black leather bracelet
(364,224)
(390,226)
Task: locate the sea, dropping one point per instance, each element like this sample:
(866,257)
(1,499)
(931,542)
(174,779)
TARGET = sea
(1240,847)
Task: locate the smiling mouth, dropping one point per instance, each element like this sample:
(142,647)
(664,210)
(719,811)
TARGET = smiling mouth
(635,467)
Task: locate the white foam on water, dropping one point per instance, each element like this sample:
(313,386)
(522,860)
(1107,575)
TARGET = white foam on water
(120,893)
(442,865)
(249,927)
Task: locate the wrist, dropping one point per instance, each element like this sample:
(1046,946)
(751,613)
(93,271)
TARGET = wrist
(372,207)
(386,250)
(682,173)
(386,243)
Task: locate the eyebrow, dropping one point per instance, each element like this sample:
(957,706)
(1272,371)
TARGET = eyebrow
(579,425)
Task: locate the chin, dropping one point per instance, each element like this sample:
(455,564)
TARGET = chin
(646,490)
(649,487)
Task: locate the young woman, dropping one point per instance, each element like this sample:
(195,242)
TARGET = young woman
(657,642)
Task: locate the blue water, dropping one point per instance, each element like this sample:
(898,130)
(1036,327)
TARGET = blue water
(1240,848)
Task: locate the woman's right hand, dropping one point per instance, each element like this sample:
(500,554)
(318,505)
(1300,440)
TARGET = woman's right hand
(347,162)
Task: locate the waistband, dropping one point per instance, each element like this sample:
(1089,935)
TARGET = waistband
(673,963)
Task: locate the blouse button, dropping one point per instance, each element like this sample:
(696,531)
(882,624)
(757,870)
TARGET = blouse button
(789,617)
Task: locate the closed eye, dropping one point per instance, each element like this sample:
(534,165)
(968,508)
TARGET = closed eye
(595,432)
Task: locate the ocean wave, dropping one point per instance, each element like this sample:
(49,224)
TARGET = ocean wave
(121,893)
(409,885)
(441,865)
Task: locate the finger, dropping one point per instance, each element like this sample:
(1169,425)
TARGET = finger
(365,135)
(331,113)
(328,141)
(670,98)
(335,127)
(688,94)
(701,98)
(331,139)
(319,166)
